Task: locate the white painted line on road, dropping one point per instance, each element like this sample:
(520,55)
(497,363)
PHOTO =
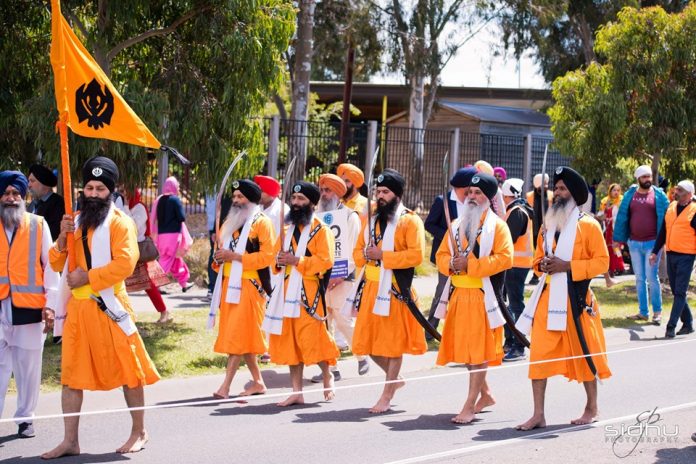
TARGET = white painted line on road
(247,399)
(511,441)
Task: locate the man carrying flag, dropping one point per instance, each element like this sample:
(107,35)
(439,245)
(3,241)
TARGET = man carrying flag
(102,349)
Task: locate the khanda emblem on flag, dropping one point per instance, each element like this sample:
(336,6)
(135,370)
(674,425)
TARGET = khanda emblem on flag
(94,104)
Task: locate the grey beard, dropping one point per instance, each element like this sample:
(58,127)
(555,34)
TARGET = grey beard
(235,219)
(12,216)
(327,205)
(471,220)
(558,214)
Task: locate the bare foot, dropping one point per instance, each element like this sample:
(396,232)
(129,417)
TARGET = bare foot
(401,383)
(382,405)
(135,443)
(64,449)
(220,395)
(254,388)
(296,398)
(536,422)
(329,383)
(466,416)
(610,282)
(165,318)
(484,402)
(588,416)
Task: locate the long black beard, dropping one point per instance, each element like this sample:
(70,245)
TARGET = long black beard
(386,211)
(12,215)
(645,185)
(349,192)
(300,215)
(93,212)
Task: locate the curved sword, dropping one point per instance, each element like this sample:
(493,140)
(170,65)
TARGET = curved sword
(283,191)
(445,204)
(221,192)
(544,198)
(370,191)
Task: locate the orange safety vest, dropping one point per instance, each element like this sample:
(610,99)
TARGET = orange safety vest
(524,255)
(21,272)
(681,237)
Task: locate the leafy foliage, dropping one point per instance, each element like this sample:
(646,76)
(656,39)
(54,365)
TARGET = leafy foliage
(197,73)
(638,105)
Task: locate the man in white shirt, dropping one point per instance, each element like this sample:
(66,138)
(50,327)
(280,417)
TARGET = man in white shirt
(28,296)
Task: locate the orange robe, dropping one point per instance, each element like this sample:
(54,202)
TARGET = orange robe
(305,340)
(358,204)
(96,353)
(399,333)
(590,258)
(240,324)
(467,337)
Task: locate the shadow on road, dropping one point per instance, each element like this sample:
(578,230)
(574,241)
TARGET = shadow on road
(427,422)
(676,455)
(261,409)
(85,458)
(344,415)
(511,432)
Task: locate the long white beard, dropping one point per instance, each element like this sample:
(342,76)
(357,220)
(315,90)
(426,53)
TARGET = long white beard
(471,220)
(12,217)
(327,205)
(557,215)
(235,219)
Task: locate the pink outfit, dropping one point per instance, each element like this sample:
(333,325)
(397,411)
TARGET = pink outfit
(168,244)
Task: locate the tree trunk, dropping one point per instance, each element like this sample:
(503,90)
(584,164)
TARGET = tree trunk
(300,83)
(416,125)
(587,37)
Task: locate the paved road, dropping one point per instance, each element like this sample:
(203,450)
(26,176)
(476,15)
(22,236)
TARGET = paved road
(648,372)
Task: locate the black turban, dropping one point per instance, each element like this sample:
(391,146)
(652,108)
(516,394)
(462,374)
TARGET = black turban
(392,180)
(307,189)
(462,178)
(102,169)
(15,179)
(43,175)
(248,188)
(574,182)
(487,183)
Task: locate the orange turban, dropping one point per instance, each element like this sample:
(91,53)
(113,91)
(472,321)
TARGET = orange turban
(352,173)
(333,182)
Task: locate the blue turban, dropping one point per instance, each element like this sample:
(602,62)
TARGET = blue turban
(462,178)
(14,178)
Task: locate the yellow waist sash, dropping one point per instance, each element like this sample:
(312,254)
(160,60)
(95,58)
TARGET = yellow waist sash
(465,281)
(304,277)
(227,268)
(84,292)
(372,273)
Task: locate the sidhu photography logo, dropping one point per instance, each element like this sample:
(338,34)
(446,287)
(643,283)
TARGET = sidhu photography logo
(648,428)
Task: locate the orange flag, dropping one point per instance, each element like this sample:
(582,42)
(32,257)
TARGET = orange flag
(87,100)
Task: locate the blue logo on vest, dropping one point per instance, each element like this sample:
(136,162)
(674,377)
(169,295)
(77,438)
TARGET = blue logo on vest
(328,218)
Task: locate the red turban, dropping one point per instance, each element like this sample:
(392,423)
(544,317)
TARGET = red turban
(268,185)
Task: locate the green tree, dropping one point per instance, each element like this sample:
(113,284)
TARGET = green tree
(638,105)
(560,34)
(197,73)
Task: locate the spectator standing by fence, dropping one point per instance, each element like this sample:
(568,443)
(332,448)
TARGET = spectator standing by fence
(168,227)
(641,212)
(148,274)
(609,208)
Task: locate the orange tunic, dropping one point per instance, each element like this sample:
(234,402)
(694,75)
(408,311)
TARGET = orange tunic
(399,333)
(305,340)
(467,337)
(590,258)
(96,353)
(358,204)
(240,324)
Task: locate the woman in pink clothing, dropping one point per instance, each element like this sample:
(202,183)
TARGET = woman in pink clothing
(167,221)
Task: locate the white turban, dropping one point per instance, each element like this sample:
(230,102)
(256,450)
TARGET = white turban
(642,171)
(512,187)
(687,185)
(537,180)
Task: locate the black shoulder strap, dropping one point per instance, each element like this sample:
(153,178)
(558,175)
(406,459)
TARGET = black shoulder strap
(85,247)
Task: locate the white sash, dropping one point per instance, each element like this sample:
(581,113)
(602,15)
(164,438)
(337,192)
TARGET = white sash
(273,318)
(291,303)
(383,301)
(234,283)
(558,292)
(101,256)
